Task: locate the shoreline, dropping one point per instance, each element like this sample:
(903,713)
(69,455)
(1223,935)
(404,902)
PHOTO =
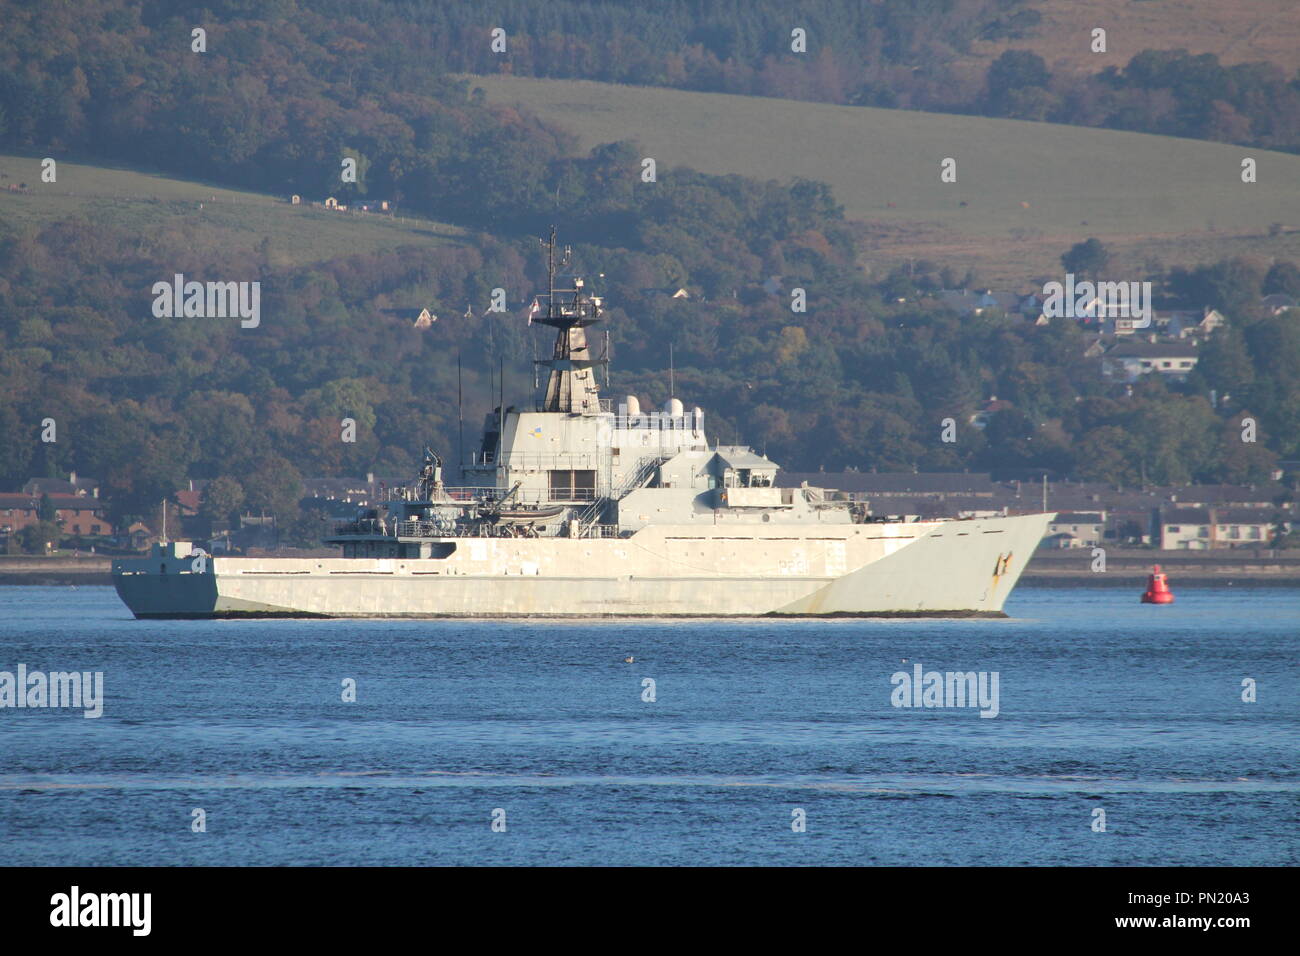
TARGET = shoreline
(1129,581)
(1071,568)
(1233,568)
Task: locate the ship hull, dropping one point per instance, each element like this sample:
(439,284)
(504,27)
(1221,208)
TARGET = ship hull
(923,569)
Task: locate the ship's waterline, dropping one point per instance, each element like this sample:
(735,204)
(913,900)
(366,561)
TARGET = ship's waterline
(571,509)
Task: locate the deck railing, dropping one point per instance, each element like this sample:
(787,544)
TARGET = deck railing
(471,493)
(435,529)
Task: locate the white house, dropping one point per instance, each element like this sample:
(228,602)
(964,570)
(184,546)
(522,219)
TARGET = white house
(1202,529)
(1277,303)
(1074,529)
(1128,361)
(966,303)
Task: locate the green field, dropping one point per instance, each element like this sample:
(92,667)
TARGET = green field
(206,216)
(1121,183)
(1028,187)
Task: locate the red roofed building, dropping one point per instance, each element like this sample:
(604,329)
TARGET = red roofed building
(75,514)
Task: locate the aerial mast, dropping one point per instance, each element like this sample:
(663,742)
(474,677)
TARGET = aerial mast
(570,384)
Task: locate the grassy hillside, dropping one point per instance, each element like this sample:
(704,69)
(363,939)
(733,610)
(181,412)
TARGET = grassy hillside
(1239,31)
(1024,191)
(1121,183)
(205,216)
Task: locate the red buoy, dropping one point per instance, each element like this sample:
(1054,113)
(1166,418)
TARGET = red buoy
(1157,591)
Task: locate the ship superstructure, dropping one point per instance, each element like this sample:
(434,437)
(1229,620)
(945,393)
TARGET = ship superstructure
(576,507)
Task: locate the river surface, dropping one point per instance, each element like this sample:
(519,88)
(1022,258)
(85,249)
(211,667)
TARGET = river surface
(754,742)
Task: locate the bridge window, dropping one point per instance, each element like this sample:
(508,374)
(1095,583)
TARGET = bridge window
(573,485)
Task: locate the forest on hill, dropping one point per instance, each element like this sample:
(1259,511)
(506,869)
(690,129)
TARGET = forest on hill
(891,53)
(285,89)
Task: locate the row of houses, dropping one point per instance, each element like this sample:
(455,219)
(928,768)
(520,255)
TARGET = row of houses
(1174,529)
(1089,514)
(1063,495)
(75,505)
(73,502)
(1092,311)
(358,205)
(76,514)
(1190,517)
(1167,346)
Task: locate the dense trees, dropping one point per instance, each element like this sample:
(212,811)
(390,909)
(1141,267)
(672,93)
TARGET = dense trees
(1087,258)
(856,381)
(285,92)
(1017,84)
(893,53)
(862,379)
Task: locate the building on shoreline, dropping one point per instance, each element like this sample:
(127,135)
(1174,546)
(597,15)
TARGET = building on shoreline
(75,514)
(1089,514)
(1204,529)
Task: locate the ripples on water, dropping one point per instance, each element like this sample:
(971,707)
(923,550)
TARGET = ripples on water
(1103,703)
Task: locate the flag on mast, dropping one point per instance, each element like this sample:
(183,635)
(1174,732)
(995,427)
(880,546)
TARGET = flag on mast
(534,310)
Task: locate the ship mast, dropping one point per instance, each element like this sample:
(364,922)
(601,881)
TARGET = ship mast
(571,383)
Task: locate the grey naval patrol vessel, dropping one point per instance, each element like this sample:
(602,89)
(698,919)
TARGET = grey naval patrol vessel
(579,509)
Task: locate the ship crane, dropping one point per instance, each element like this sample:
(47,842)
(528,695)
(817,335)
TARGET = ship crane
(430,481)
(490,509)
(521,519)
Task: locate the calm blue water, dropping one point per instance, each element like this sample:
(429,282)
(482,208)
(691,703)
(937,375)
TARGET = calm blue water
(1104,703)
